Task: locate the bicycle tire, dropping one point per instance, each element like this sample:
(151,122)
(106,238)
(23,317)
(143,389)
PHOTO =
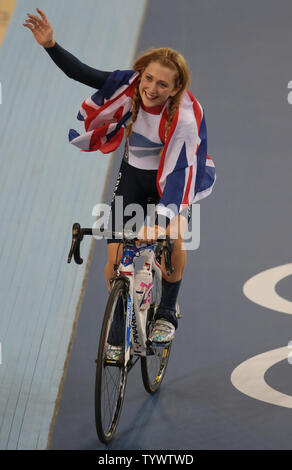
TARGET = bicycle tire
(110,392)
(153,366)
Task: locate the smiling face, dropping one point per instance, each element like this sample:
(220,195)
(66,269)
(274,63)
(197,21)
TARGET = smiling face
(157,84)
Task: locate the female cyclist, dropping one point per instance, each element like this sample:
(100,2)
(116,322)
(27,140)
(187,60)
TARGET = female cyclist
(165,153)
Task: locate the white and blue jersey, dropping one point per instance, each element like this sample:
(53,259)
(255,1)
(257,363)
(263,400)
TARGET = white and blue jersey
(143,148)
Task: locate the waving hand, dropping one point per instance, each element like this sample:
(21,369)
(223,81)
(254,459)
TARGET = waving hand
(40,28)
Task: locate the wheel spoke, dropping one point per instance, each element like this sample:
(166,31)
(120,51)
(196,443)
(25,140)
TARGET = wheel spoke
(153,367)
(110,379)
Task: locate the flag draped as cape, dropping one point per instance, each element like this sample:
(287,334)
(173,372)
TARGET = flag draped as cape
(186,172)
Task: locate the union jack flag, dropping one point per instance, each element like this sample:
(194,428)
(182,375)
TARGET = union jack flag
(186,172)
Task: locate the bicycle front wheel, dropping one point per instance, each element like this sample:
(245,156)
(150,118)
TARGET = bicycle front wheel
(153,366)
(111,372)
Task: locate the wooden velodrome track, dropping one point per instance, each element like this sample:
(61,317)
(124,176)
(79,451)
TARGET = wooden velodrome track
(228,383)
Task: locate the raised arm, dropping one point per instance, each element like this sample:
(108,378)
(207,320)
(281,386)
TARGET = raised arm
(67,62)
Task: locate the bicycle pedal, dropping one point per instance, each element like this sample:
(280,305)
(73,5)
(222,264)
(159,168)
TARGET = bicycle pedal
(110,363)
(160,344)
(149,351)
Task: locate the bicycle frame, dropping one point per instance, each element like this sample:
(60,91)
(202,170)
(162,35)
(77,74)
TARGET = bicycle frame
(110,384)
(126,272)
(135,341)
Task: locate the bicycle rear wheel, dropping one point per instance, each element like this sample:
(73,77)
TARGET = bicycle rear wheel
(153,366)
(111,375)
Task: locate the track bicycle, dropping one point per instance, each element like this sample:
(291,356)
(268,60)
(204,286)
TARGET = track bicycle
(125,306)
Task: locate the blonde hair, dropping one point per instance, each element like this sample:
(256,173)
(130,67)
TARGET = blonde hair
(169,58)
